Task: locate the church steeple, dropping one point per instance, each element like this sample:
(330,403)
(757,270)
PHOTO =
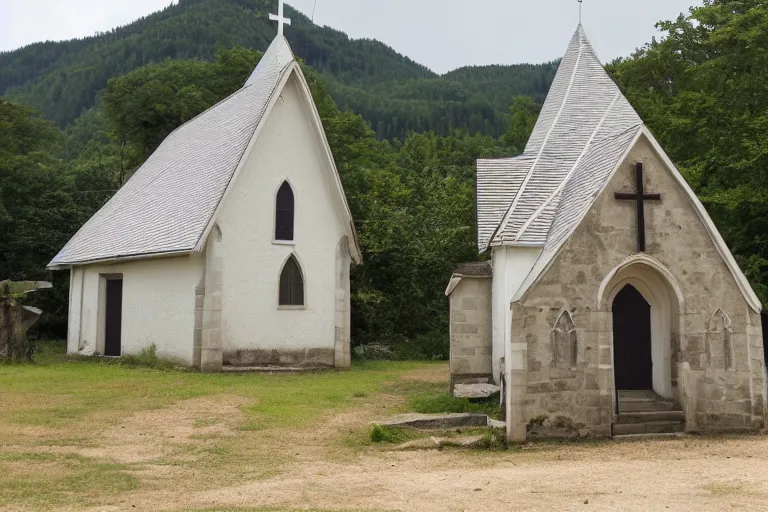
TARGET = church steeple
(277,56)
(584,110)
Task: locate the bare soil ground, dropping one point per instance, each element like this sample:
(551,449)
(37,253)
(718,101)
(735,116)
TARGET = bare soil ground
(199,454)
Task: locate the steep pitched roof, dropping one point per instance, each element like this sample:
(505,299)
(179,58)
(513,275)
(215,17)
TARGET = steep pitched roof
(585,131)
(519,198)
(167,205)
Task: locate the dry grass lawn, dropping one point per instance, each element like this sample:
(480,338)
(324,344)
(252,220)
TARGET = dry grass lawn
(98,437)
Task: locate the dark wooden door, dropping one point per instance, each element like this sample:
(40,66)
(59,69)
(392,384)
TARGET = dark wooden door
(633,366)
(114,321)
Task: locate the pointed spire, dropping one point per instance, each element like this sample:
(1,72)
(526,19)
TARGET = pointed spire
(583,107)
(275,59)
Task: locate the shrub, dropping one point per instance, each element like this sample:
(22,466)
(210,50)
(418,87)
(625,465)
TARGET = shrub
(382,434)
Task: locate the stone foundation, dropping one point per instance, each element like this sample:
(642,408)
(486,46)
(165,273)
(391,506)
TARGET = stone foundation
(299,358)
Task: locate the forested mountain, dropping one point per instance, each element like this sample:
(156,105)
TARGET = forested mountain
(394,94)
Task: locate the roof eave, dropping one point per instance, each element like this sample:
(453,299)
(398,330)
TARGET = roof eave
(66,265)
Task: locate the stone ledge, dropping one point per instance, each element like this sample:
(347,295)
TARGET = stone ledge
(475,391)
(439,421)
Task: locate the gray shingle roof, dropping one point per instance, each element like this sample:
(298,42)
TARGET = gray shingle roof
(166,206)
(585,129)
(583,119)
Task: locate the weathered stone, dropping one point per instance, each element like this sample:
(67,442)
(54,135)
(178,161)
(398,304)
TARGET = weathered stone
(470,323)
(435,421)
(272,357)
(474,391)
(434,443)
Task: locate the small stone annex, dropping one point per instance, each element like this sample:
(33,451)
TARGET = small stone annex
(611,304)
(231,246)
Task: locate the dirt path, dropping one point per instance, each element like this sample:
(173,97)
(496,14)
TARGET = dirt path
(695,475)
(681,474)
(195,455)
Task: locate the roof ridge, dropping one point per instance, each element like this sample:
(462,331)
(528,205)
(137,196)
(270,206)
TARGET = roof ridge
(198,158)
(508,214)
(568,176)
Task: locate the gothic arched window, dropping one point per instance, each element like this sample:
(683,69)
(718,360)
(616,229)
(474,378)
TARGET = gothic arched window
(284,213)
(719,341)
(564,344)
(291,284)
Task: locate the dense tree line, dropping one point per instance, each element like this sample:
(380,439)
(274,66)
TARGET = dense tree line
(700,89)
(394,94)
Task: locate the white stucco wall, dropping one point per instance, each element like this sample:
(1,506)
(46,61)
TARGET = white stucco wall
(511,266)
(288,148)
(158,306)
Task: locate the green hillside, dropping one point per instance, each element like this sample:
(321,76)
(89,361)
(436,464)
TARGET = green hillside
(394,93)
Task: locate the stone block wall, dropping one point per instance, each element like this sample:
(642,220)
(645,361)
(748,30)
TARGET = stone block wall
(713,343)
(292,358)
(470,327)
(573,396)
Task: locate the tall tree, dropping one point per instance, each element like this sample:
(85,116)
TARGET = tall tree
(524,112)
(701,89)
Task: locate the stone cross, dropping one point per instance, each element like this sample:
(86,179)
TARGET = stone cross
(16,319)
(640,197)
(280,18)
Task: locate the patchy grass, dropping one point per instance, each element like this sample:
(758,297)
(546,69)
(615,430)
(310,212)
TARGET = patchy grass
(81,432)
(435,398)
(724,489)
(392,435)
(45,479)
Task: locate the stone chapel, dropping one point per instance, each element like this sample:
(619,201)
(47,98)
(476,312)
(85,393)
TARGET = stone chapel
(231,246)
(611,304)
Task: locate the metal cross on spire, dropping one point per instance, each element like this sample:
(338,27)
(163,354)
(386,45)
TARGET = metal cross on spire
(280,18)
(580,6)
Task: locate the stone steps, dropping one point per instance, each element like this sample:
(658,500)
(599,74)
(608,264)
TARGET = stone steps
(650,417)
(629,406)
(650,427)
(644,412)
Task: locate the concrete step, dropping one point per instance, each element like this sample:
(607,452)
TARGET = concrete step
(641,437)
(651,427)
(273,369)
(638,395)
(626,406)
(649,417)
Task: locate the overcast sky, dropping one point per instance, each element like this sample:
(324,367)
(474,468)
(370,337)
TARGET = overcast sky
(441,34)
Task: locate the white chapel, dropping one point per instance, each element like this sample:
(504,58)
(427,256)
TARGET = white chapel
(231,245)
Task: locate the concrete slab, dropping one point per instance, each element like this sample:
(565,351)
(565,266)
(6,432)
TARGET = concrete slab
(475,391)
(435,421)
(273,369)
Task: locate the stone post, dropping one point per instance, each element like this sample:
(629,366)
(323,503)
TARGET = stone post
(515,362)
(211,354)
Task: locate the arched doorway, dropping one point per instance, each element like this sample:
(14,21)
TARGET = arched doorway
(633,363)
(644,300)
